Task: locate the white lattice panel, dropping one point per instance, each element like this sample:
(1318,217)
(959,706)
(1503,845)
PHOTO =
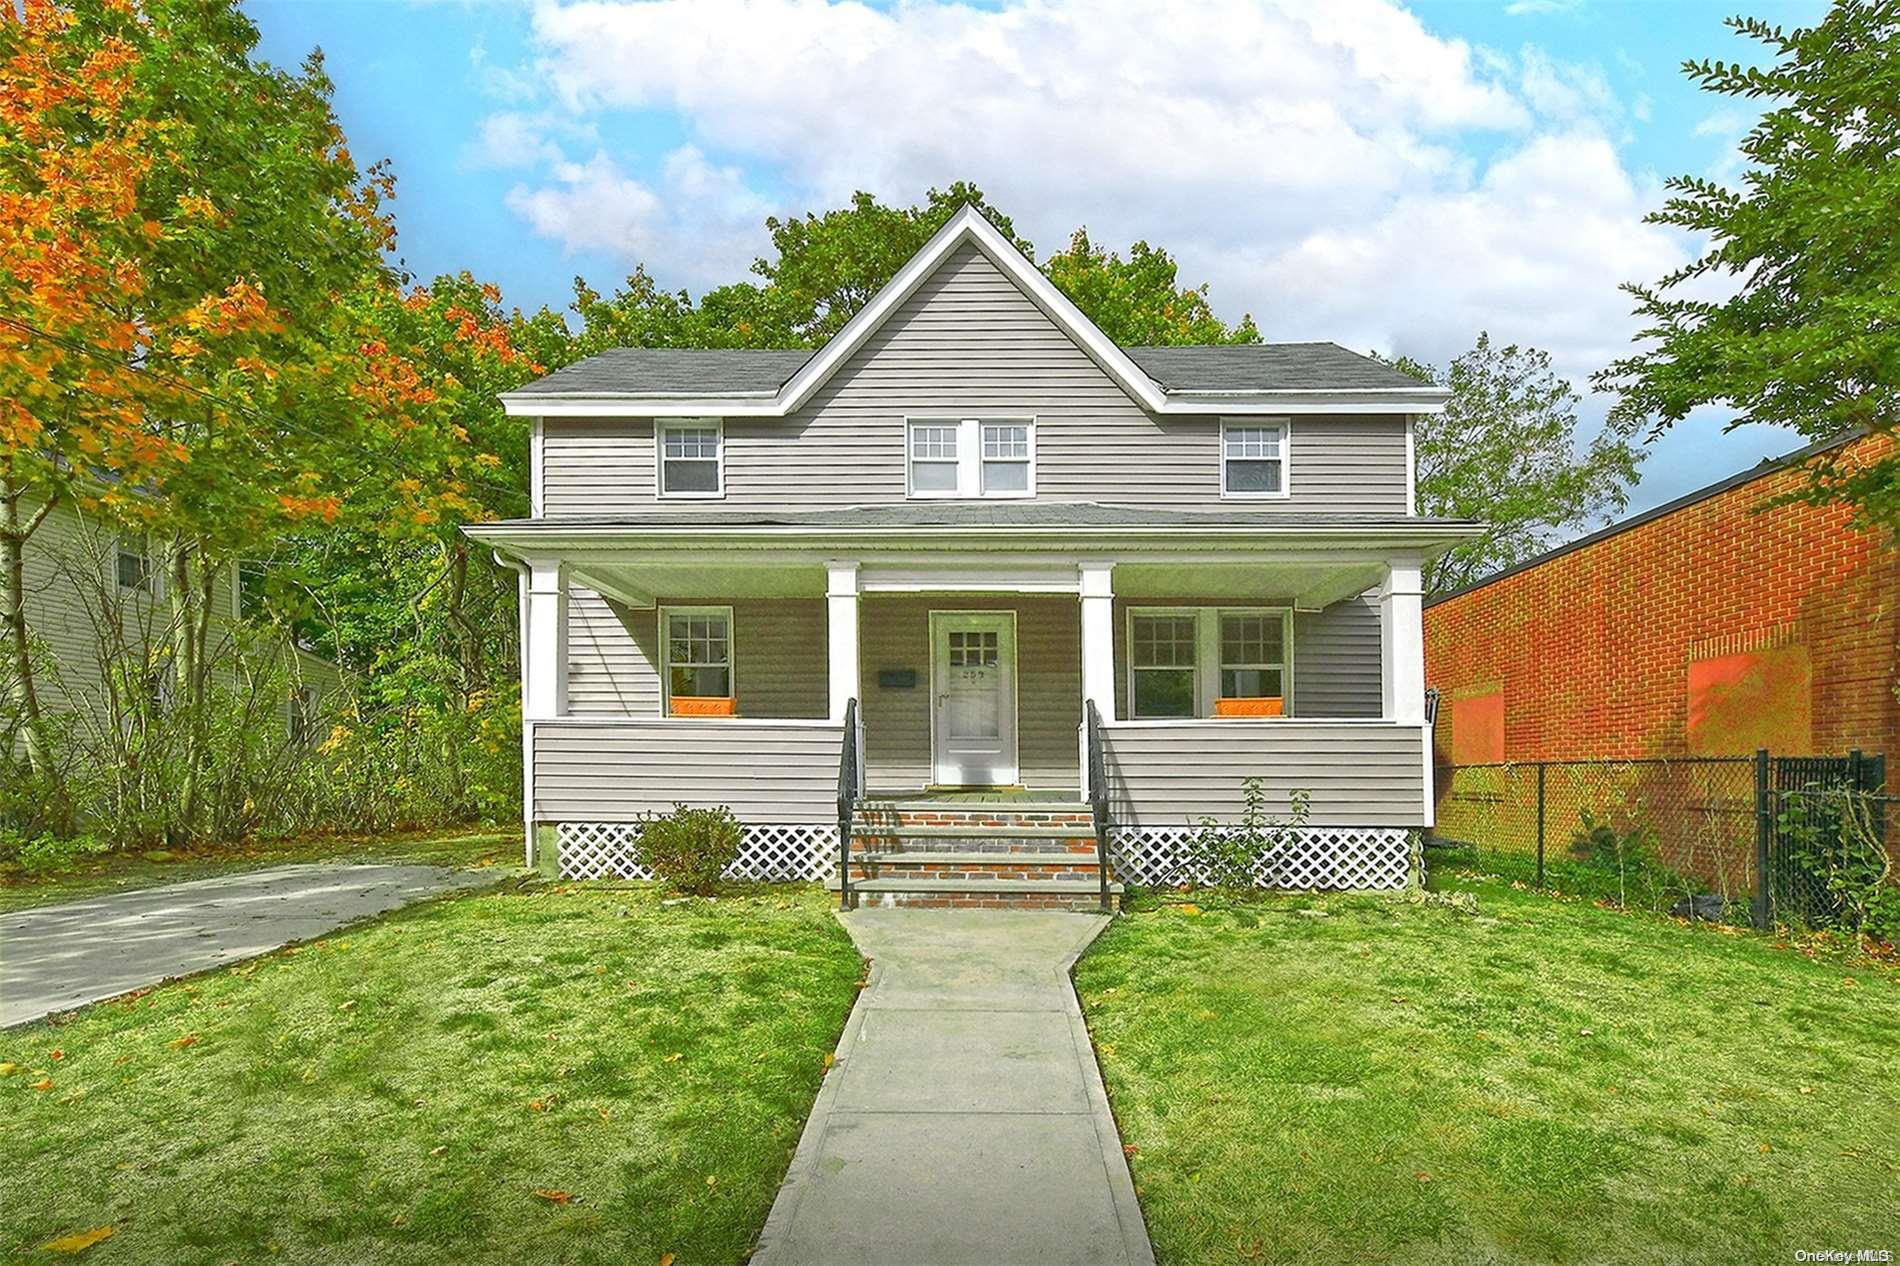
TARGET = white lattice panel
(1376,858)
(767,851)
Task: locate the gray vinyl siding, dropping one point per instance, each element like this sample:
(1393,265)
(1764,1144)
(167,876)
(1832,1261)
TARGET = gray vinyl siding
(968,343)
(1169,775)
(764,771)
(780,666)
(894,633)
(1337,660)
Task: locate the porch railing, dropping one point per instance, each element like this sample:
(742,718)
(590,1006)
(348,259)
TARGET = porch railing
(850,787)
(1098,794)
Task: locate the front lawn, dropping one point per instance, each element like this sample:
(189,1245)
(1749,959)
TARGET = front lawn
(533,1074)
(1363,1079)
(125,871)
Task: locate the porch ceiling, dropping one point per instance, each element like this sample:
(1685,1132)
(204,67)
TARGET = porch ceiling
(1307,584)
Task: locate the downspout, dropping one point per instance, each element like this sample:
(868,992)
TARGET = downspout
(520,570)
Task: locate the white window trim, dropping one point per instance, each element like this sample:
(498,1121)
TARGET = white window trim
(149,585)
(1207,658)
(666,615)
(969,458)
(1285,427)
(660,427)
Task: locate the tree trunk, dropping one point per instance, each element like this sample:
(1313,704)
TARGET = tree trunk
(15,531)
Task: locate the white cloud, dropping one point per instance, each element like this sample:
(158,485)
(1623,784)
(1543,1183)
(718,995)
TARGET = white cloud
(1331,165)
(512,139)
(1525,8)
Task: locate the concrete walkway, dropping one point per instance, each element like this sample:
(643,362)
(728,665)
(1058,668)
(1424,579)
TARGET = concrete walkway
(965,1120)
(55,958)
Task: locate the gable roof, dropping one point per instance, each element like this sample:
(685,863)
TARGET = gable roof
(734,383)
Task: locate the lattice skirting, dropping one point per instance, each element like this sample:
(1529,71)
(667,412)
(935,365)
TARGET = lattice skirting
(604,850)
(1376,858)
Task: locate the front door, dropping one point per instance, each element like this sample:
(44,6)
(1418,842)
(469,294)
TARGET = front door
(973,692)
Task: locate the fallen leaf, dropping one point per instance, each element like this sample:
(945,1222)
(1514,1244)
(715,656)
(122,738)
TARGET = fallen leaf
(437,1151)
(1765,1149)
(712,1180)
(56,1053)
(7,1070)
(79,1241)
(666,1259)
(189,1039)
(830,1059)
(1190,908)
(604,1114)
(44,1083)
(1130,1150)
(537,1105)
(348,1006)
(675,1057)
(1583,1033)
(1422,1176)
(555,1197)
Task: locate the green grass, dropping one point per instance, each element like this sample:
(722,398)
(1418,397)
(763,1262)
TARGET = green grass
(123,872)
(399,1093)
(1366,1079)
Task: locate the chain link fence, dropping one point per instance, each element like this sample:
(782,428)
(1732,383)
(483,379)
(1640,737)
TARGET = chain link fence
(1807,840)
(1663,833)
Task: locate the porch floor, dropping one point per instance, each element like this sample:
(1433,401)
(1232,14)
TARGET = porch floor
(977,795)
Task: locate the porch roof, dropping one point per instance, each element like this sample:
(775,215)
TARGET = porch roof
(987,514)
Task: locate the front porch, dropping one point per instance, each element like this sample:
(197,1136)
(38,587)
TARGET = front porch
(961,687)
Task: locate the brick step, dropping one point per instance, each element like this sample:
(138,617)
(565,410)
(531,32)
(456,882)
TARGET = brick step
(1006,894)
(885,813)
(1041,867)
(1032,835)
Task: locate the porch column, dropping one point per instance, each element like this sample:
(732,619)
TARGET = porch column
(544,686)
(841,622)
(1402,642)
(1098,637)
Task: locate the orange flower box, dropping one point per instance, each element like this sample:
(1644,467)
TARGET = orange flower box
(1266,706)
(707,706)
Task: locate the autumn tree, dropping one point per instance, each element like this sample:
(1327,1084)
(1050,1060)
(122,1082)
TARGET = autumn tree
(1791,315)
(1506,451)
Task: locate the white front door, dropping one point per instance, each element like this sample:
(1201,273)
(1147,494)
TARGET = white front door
(973,692)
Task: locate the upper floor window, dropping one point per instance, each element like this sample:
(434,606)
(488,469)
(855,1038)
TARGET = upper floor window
(1253,459)
(692,458)
(134,564)
(972,457)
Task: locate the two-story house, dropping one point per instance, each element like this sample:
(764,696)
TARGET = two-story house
(947,565)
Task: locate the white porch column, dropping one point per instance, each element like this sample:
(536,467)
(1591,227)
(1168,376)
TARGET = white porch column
(841,621)
(544,674)
(1402,642)
(1098,637)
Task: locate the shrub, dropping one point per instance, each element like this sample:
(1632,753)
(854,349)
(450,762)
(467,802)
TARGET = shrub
(44,853)
(1628,854)
(689,848)
(1241,855)
(1839,843)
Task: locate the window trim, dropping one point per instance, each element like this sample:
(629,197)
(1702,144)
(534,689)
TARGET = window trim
(664,629)
(140,548)
(660,427)
(1285,427)
(969,457)
(1207,659)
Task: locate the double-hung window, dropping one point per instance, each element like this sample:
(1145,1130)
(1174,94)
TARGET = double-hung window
(972,457)
(697,643)
(692,458)
(1163,664)
(1208,661)
(1253,459)
(133,563)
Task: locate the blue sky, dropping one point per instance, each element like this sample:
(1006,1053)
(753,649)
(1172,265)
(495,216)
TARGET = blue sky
(1390,176)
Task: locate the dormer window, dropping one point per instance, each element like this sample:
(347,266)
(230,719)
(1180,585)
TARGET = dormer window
(692,456)
(1253,459)
(972,457)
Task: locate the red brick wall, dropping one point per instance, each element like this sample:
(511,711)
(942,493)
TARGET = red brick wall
(1592,648)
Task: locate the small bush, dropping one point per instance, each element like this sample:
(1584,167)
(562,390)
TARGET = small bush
(45,853)
(689,848)
(1244,854)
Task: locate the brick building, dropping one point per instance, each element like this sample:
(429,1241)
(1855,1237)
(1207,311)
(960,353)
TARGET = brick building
(1707,626)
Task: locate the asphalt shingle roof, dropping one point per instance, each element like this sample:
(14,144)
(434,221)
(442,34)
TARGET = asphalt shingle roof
(667,371)
(1022,514)
(1266,367)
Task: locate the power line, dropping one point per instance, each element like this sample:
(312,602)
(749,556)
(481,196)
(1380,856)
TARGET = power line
(234,406)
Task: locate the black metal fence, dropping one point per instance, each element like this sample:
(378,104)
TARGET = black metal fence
(1698,835)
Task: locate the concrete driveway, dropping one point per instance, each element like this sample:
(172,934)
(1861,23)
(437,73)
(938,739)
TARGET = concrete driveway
(56,958)
(965,1121)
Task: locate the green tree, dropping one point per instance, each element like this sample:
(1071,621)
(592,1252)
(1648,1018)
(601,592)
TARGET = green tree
(1505,451)
(1139,301)
(1807,252)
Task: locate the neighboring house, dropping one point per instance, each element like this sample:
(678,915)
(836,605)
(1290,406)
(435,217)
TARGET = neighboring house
(1714,625)
(84,580)
(938,541)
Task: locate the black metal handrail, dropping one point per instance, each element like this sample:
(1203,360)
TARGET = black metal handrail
(850,776)
(1098,793)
